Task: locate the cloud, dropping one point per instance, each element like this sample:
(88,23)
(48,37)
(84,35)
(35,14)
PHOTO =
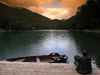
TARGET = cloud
(55,13)
(69,7)
(27,3)
(72,5)
(39,10)
(52,13)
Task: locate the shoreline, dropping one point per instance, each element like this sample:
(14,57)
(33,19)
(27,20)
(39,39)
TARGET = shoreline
(84,30)
(87,30)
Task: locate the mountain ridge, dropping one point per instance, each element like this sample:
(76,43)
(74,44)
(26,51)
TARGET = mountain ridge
(18,18)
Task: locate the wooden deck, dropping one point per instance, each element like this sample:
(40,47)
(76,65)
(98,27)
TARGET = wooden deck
(23,68)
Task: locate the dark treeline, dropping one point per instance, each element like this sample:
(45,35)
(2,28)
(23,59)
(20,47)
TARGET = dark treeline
(17,18)
(87,16)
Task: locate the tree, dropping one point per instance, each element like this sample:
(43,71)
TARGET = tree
(87,16)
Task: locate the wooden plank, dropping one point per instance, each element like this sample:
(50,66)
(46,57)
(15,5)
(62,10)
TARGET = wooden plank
(23,68)
(32,73)
(38,60)
(42,65)
(45,70)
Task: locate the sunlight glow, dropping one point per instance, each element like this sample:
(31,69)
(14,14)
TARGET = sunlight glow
(55,13)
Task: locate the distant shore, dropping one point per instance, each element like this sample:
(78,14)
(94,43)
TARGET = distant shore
(86,30)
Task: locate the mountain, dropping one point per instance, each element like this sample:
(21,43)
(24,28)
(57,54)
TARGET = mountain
(17,18)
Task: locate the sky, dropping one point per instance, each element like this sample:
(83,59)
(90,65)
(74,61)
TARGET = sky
(53,9)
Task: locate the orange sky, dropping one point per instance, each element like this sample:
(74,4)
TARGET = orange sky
(53,9)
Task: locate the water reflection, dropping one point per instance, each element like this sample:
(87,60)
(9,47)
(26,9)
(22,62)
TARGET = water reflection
(17,44)
(60,42)
(28,43)
(89,42)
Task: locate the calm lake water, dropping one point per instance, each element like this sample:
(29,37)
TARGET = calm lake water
(29,43)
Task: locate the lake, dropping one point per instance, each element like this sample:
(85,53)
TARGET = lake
(42,42)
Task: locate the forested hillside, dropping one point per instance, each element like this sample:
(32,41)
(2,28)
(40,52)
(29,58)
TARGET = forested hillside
(87,17)
(17,18)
